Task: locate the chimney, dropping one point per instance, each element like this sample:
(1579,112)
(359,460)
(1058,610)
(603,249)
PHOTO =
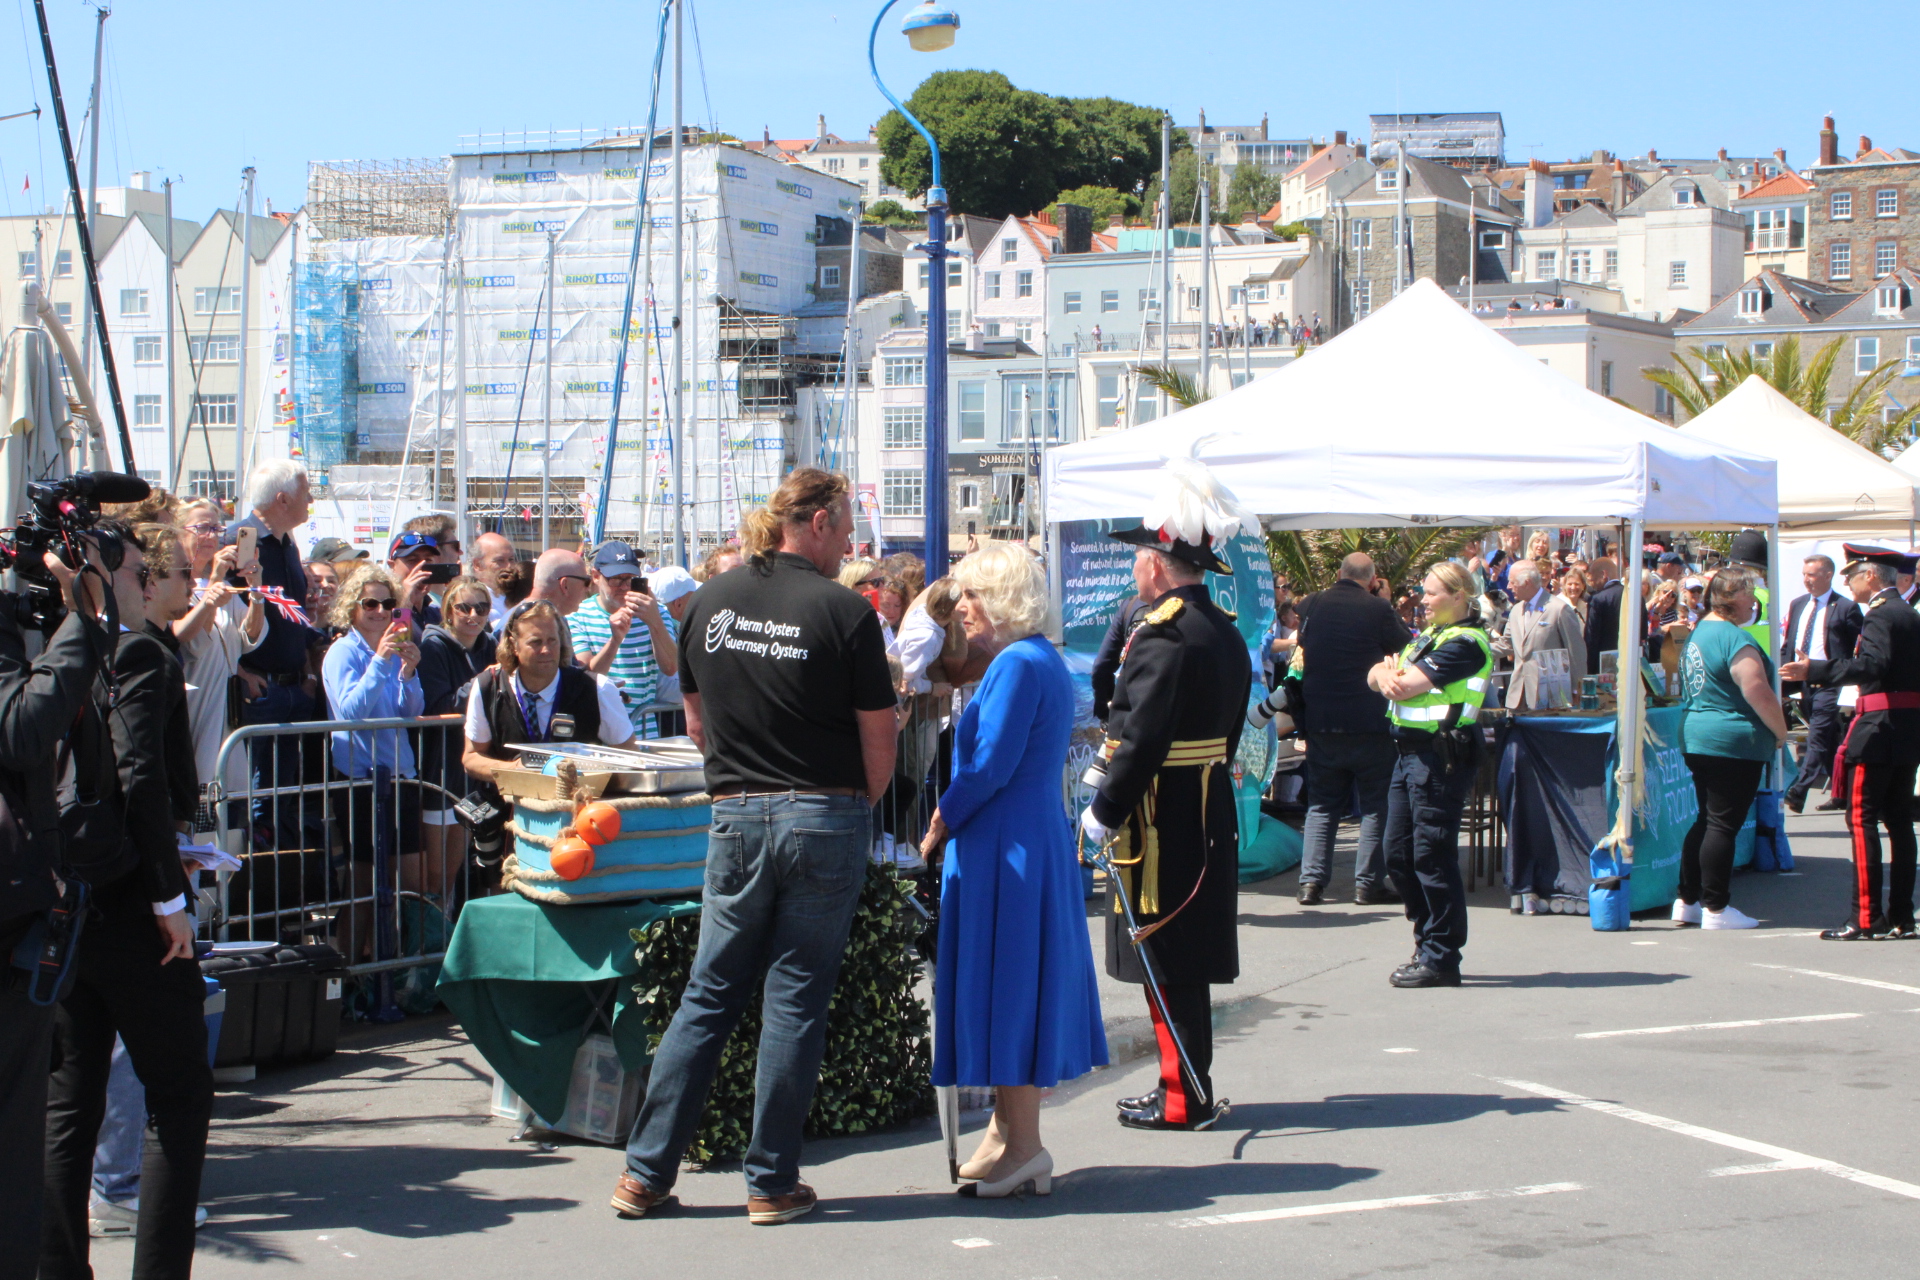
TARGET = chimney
(766,135)
(1537,200)
(1780,154)
(1866,145)
(1723,155)
(1339,137)
(823,127)
(1263,126)
(1653,155)
(1617,187)
(1203,120)
(140,180)
(1318,147)
(1076,228)
(1116,224)
(1829,142)
(975,341)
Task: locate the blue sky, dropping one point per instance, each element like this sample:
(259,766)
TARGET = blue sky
(199,88)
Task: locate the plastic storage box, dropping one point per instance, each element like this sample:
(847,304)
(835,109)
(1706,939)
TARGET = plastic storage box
(282,1002)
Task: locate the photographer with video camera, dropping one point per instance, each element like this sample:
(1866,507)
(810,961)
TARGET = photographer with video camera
(124,797)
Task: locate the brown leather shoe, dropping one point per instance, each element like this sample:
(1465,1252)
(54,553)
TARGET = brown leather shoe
(632,1198)
(767,1211)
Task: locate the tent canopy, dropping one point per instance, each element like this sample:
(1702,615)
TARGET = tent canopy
(1422,415)
(1830,487)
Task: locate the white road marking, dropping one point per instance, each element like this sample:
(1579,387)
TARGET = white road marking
(1714,1026)
(1647,943)
(973,1242)
(1842,977)
(1748,1145)
(1399,1051)
(1771,1166)
(1363,1206)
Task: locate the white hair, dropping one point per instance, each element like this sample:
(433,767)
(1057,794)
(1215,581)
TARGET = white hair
(272,478)
(1011,584)
(1525,571)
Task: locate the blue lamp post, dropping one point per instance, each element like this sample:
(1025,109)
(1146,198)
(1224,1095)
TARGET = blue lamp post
(929,28)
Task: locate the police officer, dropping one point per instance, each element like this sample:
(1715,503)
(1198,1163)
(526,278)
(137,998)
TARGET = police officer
(1178,704)
(1434,690)
(1882,748)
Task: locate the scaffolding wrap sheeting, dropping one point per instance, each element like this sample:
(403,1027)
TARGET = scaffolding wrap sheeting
(325,428)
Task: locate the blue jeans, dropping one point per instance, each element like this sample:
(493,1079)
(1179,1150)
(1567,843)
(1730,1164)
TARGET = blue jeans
(123,1132)
(784,874)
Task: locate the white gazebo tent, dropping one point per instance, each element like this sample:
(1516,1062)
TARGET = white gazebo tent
(1830,487)
(1422,415)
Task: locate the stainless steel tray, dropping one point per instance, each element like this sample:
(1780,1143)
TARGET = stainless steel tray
(662,766)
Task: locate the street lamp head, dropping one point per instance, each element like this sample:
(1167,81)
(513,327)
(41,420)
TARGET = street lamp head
(930,28)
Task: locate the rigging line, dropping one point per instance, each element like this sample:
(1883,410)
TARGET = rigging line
(520,403)
(198,368)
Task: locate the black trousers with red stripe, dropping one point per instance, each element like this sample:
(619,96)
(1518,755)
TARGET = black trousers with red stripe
(1190,1006)
(1881,794)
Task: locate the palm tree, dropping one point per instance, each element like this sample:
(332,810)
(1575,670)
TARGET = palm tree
(1179,387)
(1712,374)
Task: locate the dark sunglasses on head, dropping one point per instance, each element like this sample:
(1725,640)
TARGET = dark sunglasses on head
(369,604)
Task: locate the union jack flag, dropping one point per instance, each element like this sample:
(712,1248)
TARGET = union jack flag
(288,607)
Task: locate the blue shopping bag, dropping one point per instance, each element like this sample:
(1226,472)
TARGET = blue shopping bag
(1770,848)
(1609,896)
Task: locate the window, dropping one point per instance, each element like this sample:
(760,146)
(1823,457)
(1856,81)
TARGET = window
(207,302)
(969,497)
(1753,302)
(64,312)
(1193,299)
(829,277)
(133,302)
(1840,206)
(62,263)
(1866,356)
(991,329)
(905,371)
(1024,331)
(217,485)
(1070,303)
(1146,402)
(1839,261)
(1770,228)
(1109,300)
(1761,351)
(993,284)
(1662,402)
(1493,239)
(1545,264)
(1149,300)
(1023,284)
(1024,417)
(1106,406)
(901,426)
(147,349)
(1610,260)
(973,410)
(1890,299)
(1676,275)
(901,492)
(216,411)
(926,269)
(1579,264)
(1886,257)
(1683,194)
(1389,180)
(1258,292)
(1362,298)
(1886,203)
(1361,234)
(29,264)
(953,326)
(1606,377)
(1010,250)
(216,349)
(1913,355)
(146,411)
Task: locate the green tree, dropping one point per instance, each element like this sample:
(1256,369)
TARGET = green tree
(1185,187)
(1701,376)
(1104,201)
(1252,190)
(1115,144)
(1309,559)
(891,213)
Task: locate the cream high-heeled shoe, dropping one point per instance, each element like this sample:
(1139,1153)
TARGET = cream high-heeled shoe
(1037,1173)
(977,1168)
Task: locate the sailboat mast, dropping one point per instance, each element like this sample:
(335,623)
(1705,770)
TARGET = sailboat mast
(678,438)
(246,298)
(93,178)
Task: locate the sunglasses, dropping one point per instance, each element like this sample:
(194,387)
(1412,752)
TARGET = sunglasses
(371,605)
(208,528)
(576,577)
(472,608)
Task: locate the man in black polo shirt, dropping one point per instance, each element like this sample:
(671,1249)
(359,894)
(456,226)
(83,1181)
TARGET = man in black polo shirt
(785,677)
(275,673)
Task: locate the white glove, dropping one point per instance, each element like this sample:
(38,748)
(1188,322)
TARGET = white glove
(1092,828)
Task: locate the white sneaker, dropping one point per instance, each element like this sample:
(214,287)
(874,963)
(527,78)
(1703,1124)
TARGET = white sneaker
(108,1218)
(1686,913)
(1731,918)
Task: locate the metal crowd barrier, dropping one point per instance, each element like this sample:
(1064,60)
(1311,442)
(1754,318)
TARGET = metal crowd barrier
(330,857)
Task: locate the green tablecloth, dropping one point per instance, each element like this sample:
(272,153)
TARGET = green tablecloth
(525,980)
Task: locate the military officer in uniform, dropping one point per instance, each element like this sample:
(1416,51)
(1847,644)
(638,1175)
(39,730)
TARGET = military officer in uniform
(1434,689)
(1167,798)
(1882,748)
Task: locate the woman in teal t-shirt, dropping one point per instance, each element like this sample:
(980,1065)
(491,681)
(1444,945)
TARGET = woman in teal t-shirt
(1730,729)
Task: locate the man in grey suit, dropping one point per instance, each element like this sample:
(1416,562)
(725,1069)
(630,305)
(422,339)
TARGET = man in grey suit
(1538,621)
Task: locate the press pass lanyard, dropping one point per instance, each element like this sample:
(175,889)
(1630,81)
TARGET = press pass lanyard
(528,715)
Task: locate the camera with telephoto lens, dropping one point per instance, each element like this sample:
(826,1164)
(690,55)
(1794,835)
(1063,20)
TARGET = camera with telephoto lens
(62,511)
(484,815)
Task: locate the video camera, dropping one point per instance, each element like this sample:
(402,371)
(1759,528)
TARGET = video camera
(63,510)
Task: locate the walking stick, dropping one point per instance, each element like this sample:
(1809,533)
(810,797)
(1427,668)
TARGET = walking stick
(1102,858)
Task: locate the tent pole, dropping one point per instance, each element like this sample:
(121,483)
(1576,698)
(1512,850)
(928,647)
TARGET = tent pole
(1626,732)
(1775,622)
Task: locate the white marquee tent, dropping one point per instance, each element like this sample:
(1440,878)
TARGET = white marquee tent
(1830,487)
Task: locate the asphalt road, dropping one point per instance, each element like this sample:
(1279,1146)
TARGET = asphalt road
(1687,1103)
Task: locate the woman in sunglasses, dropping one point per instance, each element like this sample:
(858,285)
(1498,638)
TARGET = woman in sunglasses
(452,653)
(370,674)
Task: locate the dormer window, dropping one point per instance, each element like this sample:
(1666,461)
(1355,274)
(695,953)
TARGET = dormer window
(1890,299)
(1683,194)
(1389,180)
(1753,302)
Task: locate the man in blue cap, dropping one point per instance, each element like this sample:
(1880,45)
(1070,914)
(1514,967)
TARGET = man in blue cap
(605,637)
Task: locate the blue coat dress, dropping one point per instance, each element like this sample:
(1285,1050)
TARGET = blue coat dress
(1015,996)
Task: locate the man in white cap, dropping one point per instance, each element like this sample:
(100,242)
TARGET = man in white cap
(674,588)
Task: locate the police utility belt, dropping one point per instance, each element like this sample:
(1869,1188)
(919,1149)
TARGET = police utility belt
(1136,857)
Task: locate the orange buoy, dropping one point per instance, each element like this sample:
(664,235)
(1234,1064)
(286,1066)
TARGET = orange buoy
(597,823)
(572,858)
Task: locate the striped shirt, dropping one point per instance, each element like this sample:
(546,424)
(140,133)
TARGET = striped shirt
(634,669)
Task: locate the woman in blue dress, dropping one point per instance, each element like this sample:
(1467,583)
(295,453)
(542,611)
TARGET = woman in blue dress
(1015,996)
